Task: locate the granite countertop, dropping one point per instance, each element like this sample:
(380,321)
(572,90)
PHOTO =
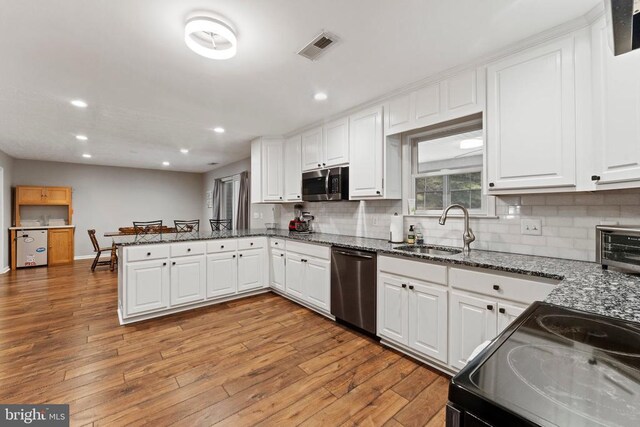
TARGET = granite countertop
(583,285)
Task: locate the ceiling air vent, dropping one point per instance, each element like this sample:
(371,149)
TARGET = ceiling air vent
(318,46)
(212,163)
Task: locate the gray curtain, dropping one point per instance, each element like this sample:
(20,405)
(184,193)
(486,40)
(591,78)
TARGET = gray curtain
(217,199)
(242,222)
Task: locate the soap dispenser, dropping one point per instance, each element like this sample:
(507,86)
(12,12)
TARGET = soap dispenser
(411,236)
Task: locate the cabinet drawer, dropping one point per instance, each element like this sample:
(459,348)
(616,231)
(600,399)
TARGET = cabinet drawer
(421,270)
(222,245)
(251,243)
(318,251)
(278,243)
(147,252)
(505,287)
(188,248)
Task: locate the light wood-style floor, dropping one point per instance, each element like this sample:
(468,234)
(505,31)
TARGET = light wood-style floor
(257,361)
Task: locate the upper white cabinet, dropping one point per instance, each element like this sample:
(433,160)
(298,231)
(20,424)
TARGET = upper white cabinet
(531,118)
(292,169)
(616,100)
(458,96)
(375,161)
(312,150)
(326,146)
(267,170)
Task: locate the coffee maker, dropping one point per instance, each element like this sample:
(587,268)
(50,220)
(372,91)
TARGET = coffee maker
(301,222)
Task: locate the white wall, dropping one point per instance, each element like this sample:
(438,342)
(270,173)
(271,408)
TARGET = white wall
(106,198)
(6,163)
(260,213)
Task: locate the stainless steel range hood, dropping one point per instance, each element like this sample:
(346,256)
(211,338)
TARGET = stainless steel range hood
(623,17)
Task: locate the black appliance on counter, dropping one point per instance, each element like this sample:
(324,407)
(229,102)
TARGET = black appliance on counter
(326,185)
(552,367)
(353,287)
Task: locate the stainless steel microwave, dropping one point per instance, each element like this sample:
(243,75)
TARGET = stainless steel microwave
(618,246)
(326,185)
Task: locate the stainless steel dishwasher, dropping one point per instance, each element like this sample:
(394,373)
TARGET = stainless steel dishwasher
(353,287)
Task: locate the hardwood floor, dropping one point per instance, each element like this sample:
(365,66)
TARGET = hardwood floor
(257,361)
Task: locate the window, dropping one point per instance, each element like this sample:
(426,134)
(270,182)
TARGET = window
(448,167)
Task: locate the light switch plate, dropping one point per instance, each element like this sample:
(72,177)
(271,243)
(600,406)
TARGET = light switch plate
(531,227)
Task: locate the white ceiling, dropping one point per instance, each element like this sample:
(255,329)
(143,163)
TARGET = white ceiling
(149,95)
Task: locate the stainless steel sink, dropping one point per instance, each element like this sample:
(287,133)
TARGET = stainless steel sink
(429,250)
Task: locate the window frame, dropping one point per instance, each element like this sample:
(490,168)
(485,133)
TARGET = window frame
(446,192)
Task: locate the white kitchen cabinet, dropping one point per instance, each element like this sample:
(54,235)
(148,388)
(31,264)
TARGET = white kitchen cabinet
(459,95)
(428,328)
(336,142)
(366,144)
(222,274)
(294,275)
(267,170)
(292,169)
(188,279)
(251,269)
(472,321)
(147,286)
(312,150)
(393,317)
(278,270)
(426,106)
(616,100)
(507,313)
(531,118)
(317,280)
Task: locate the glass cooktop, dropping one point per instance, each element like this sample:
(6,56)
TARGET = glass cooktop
(560,367)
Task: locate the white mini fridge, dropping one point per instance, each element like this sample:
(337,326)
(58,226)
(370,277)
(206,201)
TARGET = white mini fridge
(31,248)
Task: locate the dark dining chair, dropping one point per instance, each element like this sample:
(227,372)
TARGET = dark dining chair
(220,224)
(113,259)
(145,226)
(191,225)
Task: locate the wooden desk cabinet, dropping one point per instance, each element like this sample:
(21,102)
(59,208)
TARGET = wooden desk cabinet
(27,195)
(60,246)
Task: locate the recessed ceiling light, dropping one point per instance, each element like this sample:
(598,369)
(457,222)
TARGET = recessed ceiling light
(165,163)
(79,103)
(210,38)
(320,96)
(81,137)
(184,151)
(218,130)
(86,156)
(467,144)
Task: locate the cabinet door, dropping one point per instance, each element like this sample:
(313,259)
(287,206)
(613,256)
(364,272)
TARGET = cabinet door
(278,270)
(57,195)
(312,155)
(292,169)
(272,170)
(336,142)
(60,246)
(473,321)
(147,286)
(617,110)
(507,313)
(398,114)
(427,105)
(30,195)
(250,269)
(294,273)
(188,279)
(393,317)
(366,143)
(460,94)
(317,283)
(531,118)
(222,274)
(428,328)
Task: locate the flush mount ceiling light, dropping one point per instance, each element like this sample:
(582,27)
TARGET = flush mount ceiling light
(320,96)
(165,163)
(79,103)
(218,130)
(81,137)
(210,37)
(86,156)
(184,151)
(467,144)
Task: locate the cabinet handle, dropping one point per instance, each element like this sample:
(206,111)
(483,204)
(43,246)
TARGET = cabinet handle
(491,184)
(148,253)
(411,287)
(318,164)
(234,256)
(377,192)
(240,255)
(275,243)
(489,307)
(404,285)
(595,177)
(164,263)
(323,164)
(502,310)
(173,263)
(281,254)
(280,197)
(298,197)
(221,246)
(496,287)
(188,249)
(251,244)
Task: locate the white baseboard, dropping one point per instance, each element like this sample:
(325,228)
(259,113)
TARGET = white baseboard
(5,270)
(83,257)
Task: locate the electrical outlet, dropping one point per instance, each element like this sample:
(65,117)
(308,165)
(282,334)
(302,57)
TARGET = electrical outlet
(374,220)
(532,227)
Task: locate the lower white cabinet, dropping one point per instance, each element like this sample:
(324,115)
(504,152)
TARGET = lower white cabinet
(317,282)
(473,321)
(188,279)
(507,313)
(294,275)
(393,318)
(222,274)
(251,269)
(147,286)
(277,271)
(308,275)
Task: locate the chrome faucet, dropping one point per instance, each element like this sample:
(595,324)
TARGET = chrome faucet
(467,236)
